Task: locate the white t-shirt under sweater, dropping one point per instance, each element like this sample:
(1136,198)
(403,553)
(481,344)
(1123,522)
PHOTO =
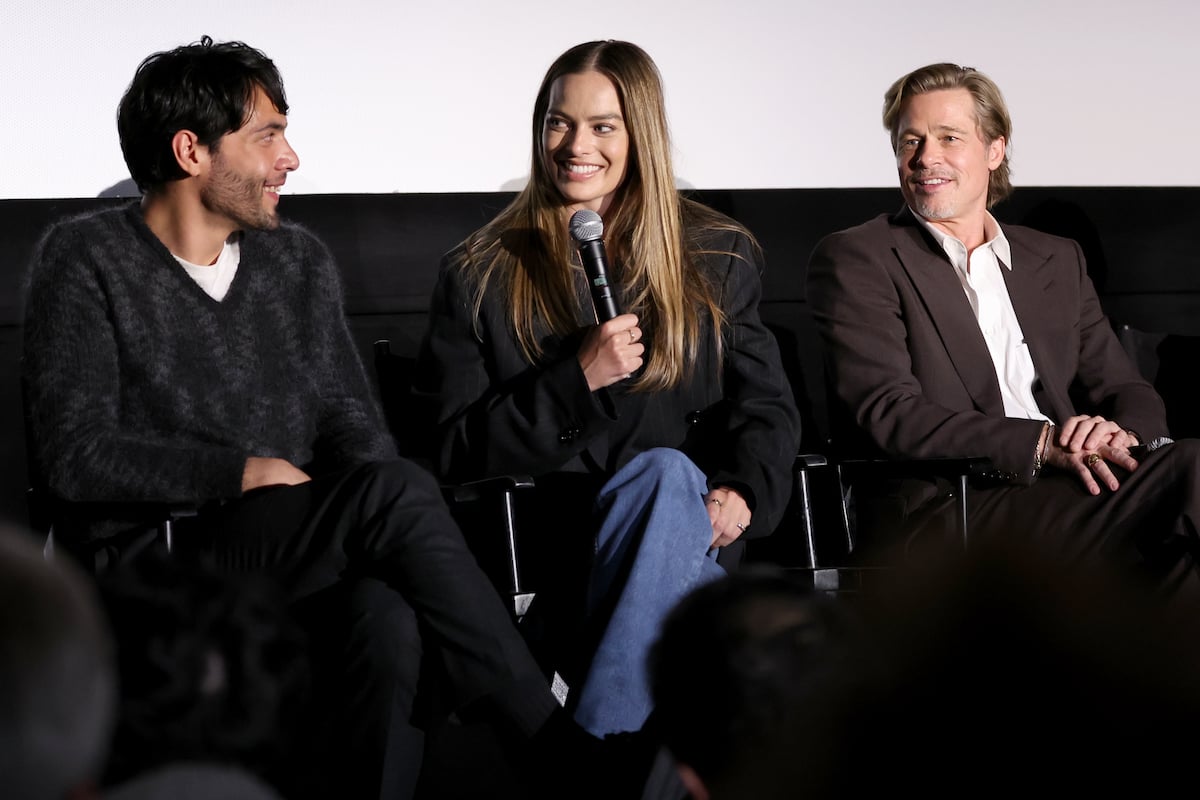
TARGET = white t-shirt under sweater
(216,278)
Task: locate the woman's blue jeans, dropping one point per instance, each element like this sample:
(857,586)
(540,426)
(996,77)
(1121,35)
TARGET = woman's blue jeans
(653,547)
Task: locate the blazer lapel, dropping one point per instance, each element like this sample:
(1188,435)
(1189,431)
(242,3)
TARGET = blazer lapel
(1029,283)
(937,283)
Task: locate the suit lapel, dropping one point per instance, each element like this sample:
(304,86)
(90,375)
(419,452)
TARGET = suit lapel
(1028,284)
(938,285)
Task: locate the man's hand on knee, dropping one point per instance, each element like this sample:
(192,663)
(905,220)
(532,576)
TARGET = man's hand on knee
(1087,445)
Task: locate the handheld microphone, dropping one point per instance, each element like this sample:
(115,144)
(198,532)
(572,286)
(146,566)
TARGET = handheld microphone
(587,229)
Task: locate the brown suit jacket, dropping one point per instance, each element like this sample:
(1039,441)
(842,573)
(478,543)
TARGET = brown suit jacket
(908,362)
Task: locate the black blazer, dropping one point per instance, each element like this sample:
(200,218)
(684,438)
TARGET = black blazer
(500,414)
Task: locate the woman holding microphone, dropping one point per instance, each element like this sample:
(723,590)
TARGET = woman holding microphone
(658,437)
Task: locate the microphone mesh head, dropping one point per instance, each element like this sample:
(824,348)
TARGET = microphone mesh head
(586,226)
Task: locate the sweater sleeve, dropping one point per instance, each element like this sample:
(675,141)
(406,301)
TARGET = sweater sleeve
(350,426)
(81,448)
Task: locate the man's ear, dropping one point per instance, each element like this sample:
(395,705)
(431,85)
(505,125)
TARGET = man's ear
(191,156)
(995,152)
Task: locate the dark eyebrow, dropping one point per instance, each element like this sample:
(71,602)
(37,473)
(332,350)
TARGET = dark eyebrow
(597,118)
(270,126)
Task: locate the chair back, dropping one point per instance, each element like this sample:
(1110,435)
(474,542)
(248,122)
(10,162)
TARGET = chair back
(1168,361)
(409,417)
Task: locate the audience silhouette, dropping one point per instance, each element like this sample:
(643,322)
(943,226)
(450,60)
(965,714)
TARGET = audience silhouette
(990,672)
(213,669)
(58,681)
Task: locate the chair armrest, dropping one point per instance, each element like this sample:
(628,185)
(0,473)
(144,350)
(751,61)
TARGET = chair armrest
(805,461)
(978,472)
(48,512)
(975,468)
(44,508)
(474,490)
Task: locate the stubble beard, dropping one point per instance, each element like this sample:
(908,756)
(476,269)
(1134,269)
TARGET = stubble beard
(933,211)
(238,198)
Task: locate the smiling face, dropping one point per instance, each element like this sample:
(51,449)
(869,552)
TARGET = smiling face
(247,168)
(584,141)
(944,162)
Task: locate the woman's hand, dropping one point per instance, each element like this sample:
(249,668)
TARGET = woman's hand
(729,514)
(612,351)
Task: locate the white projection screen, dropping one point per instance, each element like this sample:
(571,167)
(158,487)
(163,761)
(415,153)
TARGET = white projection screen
(436,96)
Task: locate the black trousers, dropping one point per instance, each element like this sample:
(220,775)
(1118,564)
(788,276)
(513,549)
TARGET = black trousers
(1149,527)
(380,573)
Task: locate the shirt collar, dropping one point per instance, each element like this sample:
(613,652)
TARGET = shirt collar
(993,237)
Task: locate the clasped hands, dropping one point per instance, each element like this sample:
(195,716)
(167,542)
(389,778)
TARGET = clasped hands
(1086,446)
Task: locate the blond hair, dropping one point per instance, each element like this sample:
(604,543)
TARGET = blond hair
(991,112)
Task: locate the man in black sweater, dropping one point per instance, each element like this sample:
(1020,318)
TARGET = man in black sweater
(193,348)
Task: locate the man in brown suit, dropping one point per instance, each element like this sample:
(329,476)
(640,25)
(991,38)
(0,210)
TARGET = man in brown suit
(948,334)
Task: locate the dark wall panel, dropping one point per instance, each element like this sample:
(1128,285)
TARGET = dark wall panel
(1143,246)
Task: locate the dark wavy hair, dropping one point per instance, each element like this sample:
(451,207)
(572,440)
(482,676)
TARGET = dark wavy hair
(205,87)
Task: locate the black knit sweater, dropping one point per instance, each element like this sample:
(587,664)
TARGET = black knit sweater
(139,386)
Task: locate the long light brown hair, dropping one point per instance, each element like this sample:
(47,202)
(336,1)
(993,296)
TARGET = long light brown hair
(526,253)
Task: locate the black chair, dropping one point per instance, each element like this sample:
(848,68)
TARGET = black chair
(1167,361)
(823,510)
(150,524)
(821,535)
(482,506)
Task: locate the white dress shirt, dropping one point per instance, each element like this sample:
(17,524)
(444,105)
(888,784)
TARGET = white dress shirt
(983,283)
